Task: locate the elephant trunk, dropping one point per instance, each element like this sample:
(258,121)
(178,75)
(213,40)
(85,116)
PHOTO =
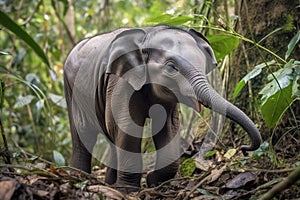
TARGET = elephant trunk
(208,97)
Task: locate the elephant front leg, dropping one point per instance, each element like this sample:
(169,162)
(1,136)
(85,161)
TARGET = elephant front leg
(129,162)
(125,118)
(167,143)
(111,171)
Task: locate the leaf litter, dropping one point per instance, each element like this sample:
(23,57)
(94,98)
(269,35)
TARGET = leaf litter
(229,175)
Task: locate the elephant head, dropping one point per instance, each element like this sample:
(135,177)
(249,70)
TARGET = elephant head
(174,62)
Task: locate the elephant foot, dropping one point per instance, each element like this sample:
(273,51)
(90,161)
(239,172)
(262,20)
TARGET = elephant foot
(125,188)
(82,162)
(110,176)
(128,182)
(156,177)
(161,175)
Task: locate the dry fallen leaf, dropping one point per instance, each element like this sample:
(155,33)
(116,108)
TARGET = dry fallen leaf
(241,180)
(203,164)
(216,173)
(34,178)
(7,188)
(230,153)
(42,193)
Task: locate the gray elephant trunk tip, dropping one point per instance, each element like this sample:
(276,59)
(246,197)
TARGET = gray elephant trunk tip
(211,99)
(255,144)
(247,124)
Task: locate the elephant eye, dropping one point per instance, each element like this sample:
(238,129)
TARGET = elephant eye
(171,68)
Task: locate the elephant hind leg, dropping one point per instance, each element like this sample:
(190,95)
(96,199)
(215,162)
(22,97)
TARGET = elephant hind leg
(81,157)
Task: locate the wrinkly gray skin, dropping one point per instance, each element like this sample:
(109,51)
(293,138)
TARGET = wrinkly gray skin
(174,58)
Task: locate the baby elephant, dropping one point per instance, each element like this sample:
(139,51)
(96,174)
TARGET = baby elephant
(115,81)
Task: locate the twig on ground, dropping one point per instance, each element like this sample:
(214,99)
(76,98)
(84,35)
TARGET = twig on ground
(145,190)
(32,170)
(265,170)
(203,178)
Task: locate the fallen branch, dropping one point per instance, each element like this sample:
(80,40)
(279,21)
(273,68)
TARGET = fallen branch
(290,180)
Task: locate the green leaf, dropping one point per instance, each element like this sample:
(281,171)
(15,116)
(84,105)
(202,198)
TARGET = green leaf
(280,92)
(3,53)
(17,30)
(58,100)
(223,44)
(32,78)
(255,72)
(210,153)
(278,80)
(81,185)
(292,44)
(203,191)
(296,81)
(169,20)
(180,20)
(274,106)
(296,88)
(33,158)
(159,19)
(238,88)
(23,101)
(58,158)
(261,151)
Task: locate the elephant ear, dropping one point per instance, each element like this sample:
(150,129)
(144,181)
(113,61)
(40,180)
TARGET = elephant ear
(125,57)
(203,43)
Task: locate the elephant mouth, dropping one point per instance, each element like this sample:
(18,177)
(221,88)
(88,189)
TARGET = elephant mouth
(197,105)
(192,103)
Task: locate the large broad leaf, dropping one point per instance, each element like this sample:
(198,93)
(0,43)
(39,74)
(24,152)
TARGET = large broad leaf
(169,20)
(16,29)
(223,44)
(274,107)
(292,44)
(296,80)
(278,81)
(255,72)
(282,90)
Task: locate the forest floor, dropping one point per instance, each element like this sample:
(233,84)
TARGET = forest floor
(230,175)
